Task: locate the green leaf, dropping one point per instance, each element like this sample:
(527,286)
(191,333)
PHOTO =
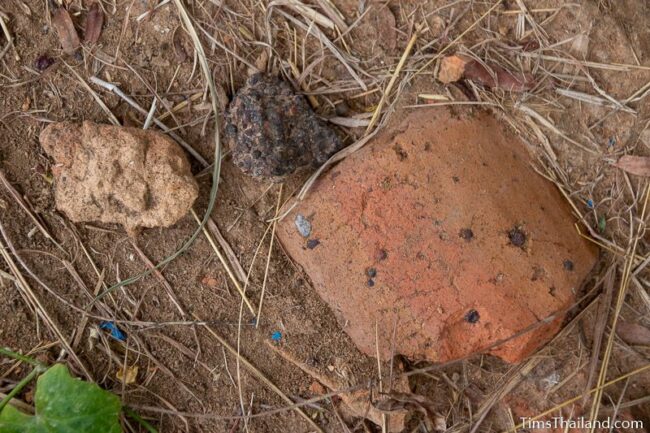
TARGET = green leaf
(602,224)
(65,405)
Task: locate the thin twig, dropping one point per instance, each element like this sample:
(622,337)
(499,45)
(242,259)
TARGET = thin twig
(268,257)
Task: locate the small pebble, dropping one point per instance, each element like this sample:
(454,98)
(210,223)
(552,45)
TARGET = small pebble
(312,243)
(303,225)
(466,234)
(517,237)
(472,316)
(568,265)
(611,142)
(317,389)
(371,282)
(342,109)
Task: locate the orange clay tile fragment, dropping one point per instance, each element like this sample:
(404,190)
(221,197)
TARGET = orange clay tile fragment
(441,228)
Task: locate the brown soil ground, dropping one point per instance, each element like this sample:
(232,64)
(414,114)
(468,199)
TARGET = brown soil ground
(187,381)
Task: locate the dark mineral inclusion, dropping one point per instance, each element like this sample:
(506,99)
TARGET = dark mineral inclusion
(272,131)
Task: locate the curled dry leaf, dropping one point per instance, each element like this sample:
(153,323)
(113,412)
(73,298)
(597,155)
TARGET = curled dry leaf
(633,334)
(66,31)
(638,165)
(94,23)
(453,68)
(127,375)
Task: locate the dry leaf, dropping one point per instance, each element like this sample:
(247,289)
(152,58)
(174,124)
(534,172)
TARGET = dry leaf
(94,23)
(130,376)
(638,165)
(66,31)
(451,69)
(633,334)
(496,76)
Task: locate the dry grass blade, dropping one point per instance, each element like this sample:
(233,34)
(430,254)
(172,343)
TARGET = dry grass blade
(349,122)
(393,79)
(95,96)
(547,124)
(230,254)
(10,39)
(621,67)
(225,264)
(268,257)
(594,100)
(305,11)
(325,40)
(334,14)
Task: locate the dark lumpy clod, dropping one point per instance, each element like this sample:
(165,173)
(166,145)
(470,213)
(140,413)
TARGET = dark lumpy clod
(272,131)
(517,237)
(466,234)
(43,62)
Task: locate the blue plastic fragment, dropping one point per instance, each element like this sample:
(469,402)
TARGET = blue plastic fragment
(276,336)
(590,204)
(114,330)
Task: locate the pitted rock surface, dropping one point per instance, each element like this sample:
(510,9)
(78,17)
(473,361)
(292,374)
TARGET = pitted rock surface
(272,131)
